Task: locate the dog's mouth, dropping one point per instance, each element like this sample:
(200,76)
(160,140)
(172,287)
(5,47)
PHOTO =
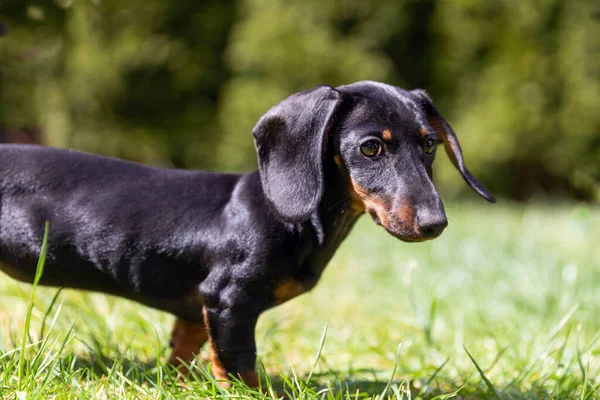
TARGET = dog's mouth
(411,238)
(375,217)
(405,234)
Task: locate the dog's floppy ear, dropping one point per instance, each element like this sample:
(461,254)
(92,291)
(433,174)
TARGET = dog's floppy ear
(290,141)
(447,135)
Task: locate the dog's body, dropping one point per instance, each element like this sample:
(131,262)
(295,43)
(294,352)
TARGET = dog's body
(149,234)
(214,249)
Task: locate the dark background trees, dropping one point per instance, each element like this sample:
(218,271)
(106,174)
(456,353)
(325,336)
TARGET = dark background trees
(181,83)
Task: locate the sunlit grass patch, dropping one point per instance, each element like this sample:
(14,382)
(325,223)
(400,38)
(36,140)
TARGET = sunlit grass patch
(517,288)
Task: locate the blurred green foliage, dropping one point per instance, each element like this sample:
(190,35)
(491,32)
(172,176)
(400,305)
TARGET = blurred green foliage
(182,82)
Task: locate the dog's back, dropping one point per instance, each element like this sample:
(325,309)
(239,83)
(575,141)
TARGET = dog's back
(43,169)
(104,220)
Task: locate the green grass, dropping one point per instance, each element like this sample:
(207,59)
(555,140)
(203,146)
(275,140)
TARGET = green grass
(506,304)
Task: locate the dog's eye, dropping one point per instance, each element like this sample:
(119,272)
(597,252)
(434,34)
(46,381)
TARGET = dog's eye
(430,145)
(371,148)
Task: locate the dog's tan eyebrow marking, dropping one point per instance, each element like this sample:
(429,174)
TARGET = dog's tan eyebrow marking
(424,131)
(387,134)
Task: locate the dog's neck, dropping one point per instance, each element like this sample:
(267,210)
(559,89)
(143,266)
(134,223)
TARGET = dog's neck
(335,217)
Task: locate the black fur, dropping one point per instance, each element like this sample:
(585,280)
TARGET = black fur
(182,240)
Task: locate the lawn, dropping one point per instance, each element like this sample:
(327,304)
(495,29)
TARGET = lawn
(517,288)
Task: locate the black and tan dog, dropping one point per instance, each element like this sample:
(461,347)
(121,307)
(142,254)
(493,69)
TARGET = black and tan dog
(216,250)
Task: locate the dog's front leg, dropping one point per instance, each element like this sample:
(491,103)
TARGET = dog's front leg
(186,340)
(231,324)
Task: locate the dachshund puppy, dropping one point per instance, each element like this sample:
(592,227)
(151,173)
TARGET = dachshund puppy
(216,250)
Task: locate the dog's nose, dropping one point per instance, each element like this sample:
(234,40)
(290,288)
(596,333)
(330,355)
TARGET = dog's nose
(431,225)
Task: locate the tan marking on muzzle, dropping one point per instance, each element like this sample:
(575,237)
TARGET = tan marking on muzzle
(366,201)
(407,215)
(357,205)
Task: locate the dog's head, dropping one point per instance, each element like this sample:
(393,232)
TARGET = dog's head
(383,138)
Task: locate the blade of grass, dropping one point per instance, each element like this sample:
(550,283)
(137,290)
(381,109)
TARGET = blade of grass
(585,381)
(48,310)
(435,373)
(318,356)
(389,383)
(552,335)
(485,379)
(38,275)
(448,395)
(57,354)
(563,321)
(430,322)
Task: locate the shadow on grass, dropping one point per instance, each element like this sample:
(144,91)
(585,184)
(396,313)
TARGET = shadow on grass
(96,366)
(332,384)
(337,383)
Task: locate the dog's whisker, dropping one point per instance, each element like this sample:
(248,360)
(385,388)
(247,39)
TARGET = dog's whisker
(339,202)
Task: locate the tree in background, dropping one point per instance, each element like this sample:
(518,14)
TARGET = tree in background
(182,83)
(525,89)
(139,81)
